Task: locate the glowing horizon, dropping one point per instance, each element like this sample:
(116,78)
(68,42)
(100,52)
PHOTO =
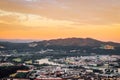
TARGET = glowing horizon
(52,19)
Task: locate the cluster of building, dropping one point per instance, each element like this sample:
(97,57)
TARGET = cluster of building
(108,47)
(100,67)
(65,73)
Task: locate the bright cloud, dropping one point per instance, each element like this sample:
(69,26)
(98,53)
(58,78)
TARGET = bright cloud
(31,20)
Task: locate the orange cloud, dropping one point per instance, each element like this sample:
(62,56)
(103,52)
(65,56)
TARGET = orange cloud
(47,19)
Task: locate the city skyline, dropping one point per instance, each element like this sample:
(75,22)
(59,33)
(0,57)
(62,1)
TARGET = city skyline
(51,19)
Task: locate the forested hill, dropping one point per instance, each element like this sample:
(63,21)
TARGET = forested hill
(76,42)
(62,44)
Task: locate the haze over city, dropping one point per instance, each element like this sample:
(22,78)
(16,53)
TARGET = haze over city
(50,19)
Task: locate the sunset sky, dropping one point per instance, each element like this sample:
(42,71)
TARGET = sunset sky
(50,19)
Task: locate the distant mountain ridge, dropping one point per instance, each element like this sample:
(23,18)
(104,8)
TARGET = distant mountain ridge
(76,42)
(57,43)
(17,40)
(80,45)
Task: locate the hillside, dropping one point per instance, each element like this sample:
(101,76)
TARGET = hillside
(62,44)
(76,42)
